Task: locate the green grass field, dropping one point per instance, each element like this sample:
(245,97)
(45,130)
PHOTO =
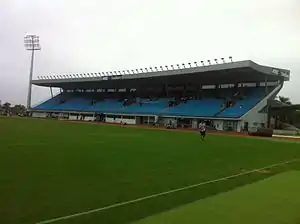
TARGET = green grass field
(257,203)
(50,169)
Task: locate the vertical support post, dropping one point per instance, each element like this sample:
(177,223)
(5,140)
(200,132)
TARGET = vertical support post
(266,85)
(166,90)
(31,44)
(30,80)
(269,116)
(51,92)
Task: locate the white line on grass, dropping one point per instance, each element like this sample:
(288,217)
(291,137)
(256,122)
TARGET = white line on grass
(162,193)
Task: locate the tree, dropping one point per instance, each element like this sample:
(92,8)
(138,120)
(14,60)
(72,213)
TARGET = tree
(18,109)
(6,107)
(285,100)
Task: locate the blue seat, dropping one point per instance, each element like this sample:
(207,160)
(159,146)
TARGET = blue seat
(243,106)
(196,108)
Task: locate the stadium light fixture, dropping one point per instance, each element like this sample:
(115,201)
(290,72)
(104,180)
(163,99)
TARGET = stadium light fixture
(230,58)
(32,43)
(202,62)
(161,68)
(183,65)
(216,60)
(103,73)
(132,71)
(190,64)
(196,64)
(156,68)
(141,70)
(178,66)
(137,71)
(223,59)
(151,69)
(209,62)
(167,68)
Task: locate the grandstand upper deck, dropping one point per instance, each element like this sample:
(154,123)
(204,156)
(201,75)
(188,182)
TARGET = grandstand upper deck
(242,71)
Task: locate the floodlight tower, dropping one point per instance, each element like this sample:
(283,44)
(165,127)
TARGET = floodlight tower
(32,43)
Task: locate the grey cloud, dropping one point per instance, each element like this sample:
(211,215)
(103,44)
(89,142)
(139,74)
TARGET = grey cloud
(90,35)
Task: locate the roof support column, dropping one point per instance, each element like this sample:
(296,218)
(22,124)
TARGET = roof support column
(199,91)
(266,85)
(166,90)
(51,92)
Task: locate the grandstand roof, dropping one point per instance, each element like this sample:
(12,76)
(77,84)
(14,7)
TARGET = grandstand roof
(242,71)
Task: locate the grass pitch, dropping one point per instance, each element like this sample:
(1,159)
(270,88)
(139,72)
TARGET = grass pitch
(50,169)
(275,200)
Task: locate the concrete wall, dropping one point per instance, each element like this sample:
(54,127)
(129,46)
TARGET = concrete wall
(218,124)
(166,121)
(39,114)
(120,120)
(253,117)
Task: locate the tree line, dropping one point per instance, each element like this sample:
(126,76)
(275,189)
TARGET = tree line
(8,109)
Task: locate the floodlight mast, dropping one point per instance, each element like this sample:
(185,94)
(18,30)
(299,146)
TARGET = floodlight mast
(32,43)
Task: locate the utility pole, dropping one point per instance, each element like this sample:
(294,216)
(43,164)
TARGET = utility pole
(32,43)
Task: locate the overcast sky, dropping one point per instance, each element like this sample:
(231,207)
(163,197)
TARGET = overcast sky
(103,35)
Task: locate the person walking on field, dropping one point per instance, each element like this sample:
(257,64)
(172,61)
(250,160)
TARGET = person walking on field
(202,130)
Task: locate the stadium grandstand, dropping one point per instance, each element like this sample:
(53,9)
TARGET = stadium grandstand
(230,96)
